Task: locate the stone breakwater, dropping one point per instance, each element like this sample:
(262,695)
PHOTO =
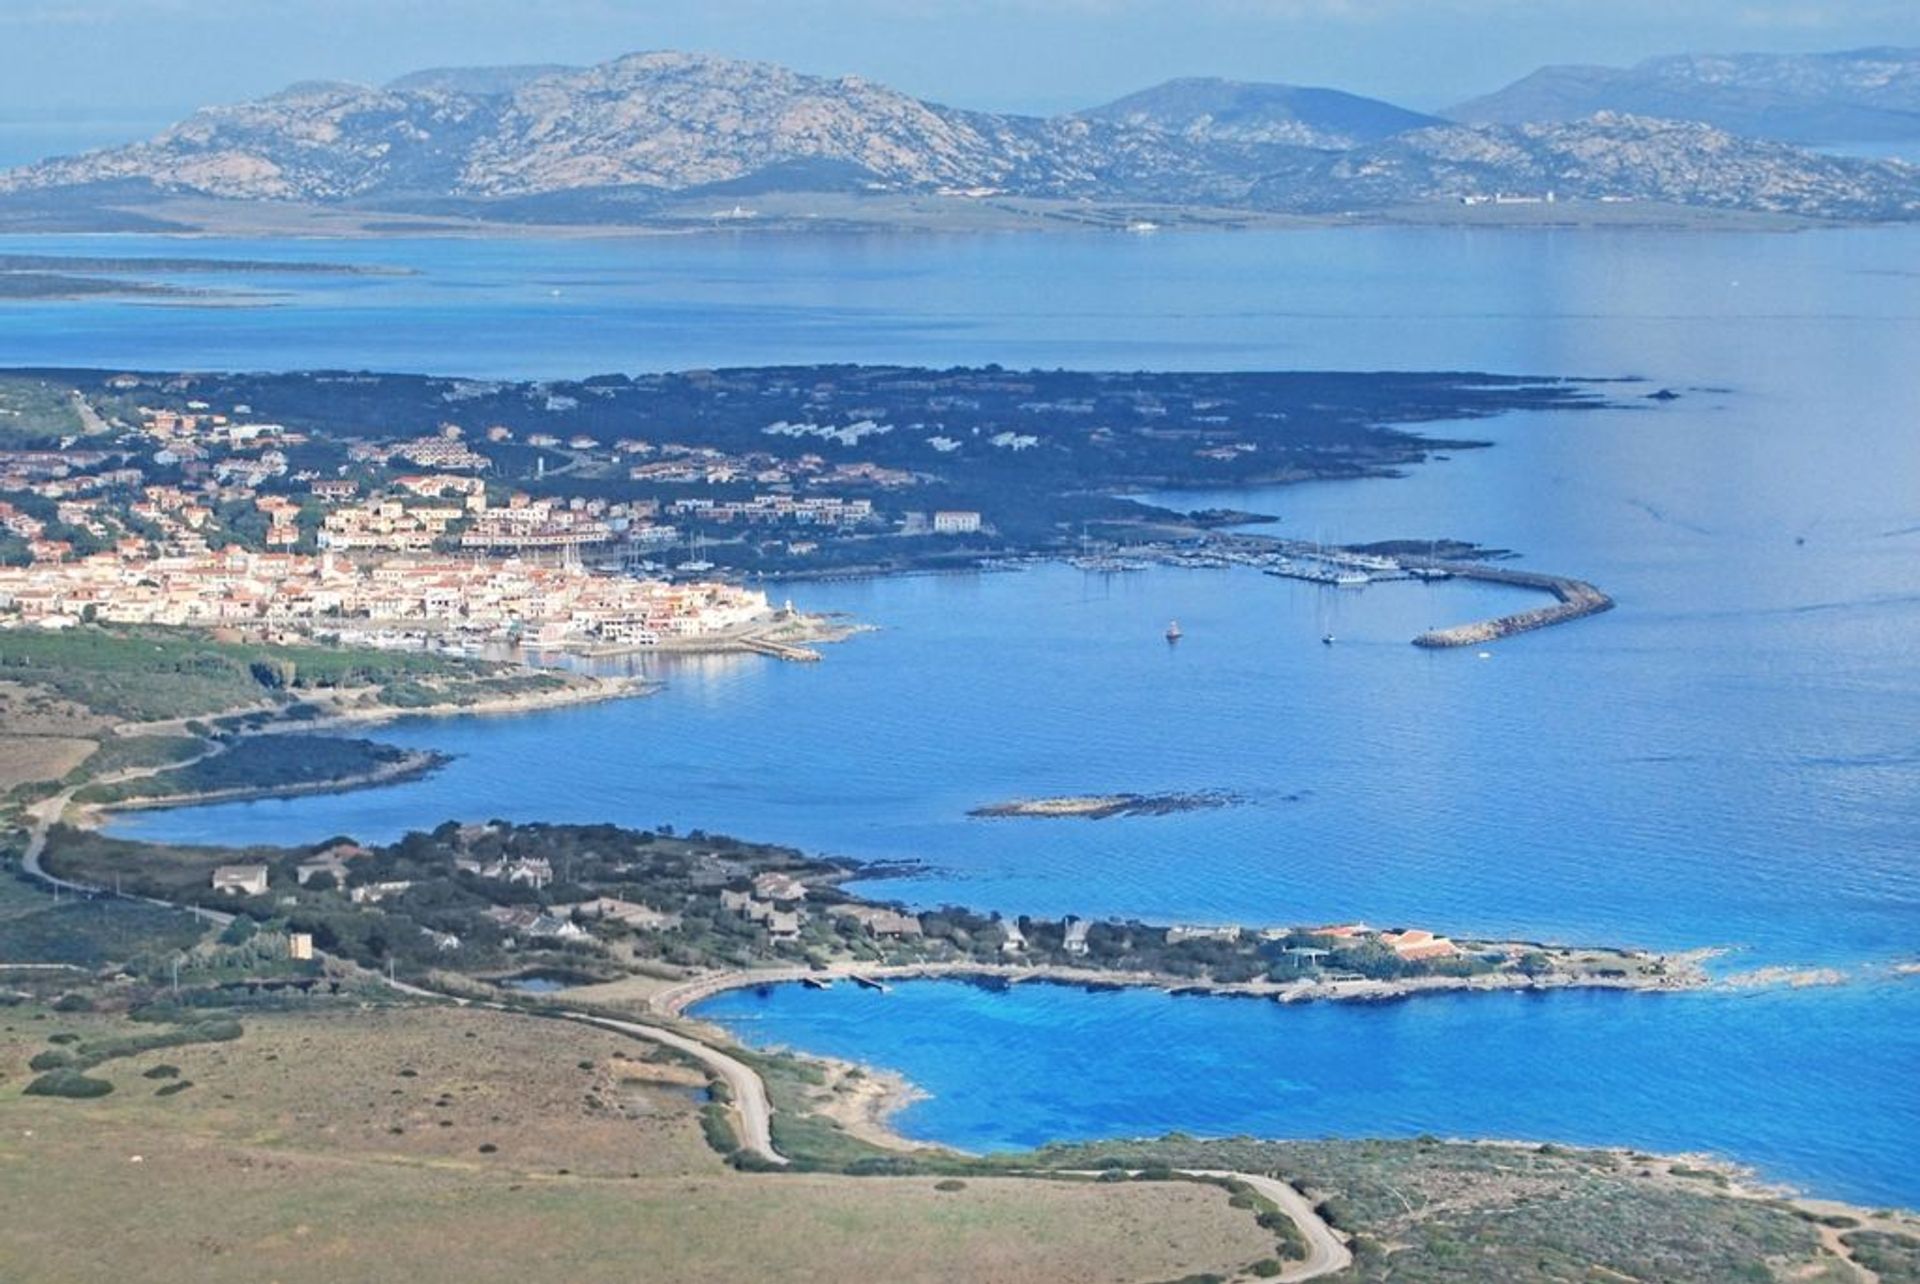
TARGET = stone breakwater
(1575,599)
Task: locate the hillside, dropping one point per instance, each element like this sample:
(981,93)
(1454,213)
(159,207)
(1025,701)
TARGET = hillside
(1212,110)
(621,142)
(1608,157)
(1861,95)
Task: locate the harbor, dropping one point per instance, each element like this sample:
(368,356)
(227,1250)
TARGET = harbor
(1344,568)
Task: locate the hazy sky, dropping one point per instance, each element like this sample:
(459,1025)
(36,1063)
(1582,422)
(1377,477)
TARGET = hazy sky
(142,60)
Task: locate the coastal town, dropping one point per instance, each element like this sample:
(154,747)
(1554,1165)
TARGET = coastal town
(492,515)
(234,540)
(401,599)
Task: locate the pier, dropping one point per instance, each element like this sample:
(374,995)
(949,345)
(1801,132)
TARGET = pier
(1576,599)
(780,650)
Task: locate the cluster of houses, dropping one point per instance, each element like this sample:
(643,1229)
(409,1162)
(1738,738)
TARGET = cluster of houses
(769,510)
(444,450)
(1415,945)
(560,922)
(776,901)
(424,510)
(440,598)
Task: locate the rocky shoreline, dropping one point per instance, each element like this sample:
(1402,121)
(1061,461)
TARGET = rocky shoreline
(1684,973)
(1106,806)
(412,766)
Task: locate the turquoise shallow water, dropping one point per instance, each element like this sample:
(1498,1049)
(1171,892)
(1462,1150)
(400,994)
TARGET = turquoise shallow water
(1732,757)
(1770,1078)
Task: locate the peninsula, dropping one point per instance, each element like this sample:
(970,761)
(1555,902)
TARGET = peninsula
(679,918)
(615,514)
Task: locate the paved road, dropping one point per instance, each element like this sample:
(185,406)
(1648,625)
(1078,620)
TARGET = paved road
(47,813)
(750,1099)
(752,1106)
(1326,1251)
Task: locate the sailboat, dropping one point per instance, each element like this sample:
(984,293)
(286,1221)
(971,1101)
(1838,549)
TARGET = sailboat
(1173,631)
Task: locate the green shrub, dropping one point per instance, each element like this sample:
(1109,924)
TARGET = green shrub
(73,1003)
(68,1083)
(161,1071)
(169,1089)
(717,1128)
(51,1059)
(950,1184)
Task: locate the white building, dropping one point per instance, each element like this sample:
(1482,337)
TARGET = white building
(956,521)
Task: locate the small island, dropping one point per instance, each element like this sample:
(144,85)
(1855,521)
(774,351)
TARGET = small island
(1104,806)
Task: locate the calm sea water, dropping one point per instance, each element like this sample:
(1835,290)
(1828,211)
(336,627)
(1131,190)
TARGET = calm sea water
(1732,757)
(1774,1078)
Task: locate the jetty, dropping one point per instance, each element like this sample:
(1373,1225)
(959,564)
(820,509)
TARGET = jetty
(781,650)
(1574,600)
(1336,566)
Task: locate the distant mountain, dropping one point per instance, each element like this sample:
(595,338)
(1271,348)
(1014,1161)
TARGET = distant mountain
(617,143)
(1241,112)
(1861,95)
(1609,157)
(661,121)
(481,82)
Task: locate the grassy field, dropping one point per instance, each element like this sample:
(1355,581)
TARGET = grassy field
(42,736)
(149,674)
(120,753)
(458,1145)
(37,928)
(27,759)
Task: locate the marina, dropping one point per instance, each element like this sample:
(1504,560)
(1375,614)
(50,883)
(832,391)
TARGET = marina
(1338,567)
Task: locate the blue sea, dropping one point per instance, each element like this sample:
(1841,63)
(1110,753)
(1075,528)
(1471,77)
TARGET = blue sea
(1731,758)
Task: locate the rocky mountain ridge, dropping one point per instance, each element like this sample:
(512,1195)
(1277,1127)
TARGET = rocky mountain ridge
(611,142)
(1857,95)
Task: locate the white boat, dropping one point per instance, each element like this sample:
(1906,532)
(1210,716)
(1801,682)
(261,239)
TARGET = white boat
(1351,579)
(1173,631)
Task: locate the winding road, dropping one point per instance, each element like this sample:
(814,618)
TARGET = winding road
(1326,1251)
(752,1106)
